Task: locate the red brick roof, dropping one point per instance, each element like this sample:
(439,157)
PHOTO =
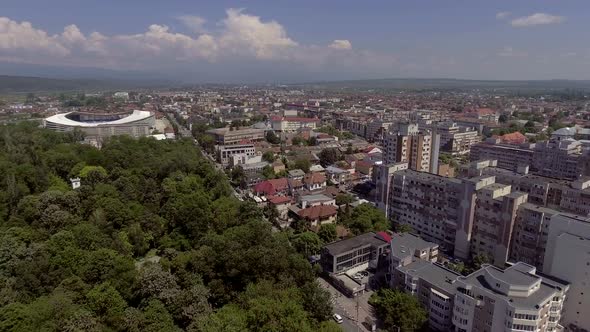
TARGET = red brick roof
(271,187)
(279,199)
(317,212)
(314,178)
(513,138)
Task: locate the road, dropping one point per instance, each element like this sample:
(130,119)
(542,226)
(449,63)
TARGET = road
(346,308)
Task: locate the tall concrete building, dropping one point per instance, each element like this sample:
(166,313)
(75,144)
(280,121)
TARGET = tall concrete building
(383,175)
(408,144)
(529,238)
(514,299)
(509,156)
(467,217)
(494,218)
(558,159)
(567,256)
(455,139)
(488,300)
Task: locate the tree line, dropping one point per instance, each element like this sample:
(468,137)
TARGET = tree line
(153,240)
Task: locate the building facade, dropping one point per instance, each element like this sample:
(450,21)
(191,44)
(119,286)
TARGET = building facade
(455,139)
(514,299)
(408,144)
(225,153)
(226,136)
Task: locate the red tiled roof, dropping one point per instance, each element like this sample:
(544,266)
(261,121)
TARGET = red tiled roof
(312,178)
(279,199)
(485,111)
(271,187)
(513,138)
(384,236)
(317,212)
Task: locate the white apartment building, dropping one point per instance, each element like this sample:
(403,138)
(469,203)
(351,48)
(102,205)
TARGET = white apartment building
(515,299)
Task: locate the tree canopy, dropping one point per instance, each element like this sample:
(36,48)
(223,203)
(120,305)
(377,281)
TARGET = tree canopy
(397,309)
(153,240)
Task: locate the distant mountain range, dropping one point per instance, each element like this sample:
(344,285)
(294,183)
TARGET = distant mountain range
(22,78)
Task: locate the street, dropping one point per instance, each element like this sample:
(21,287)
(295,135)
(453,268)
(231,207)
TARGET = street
(347,307)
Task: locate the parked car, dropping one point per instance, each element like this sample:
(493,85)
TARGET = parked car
(338,318)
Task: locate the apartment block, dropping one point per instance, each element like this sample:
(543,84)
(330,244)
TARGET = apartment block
(467,216)
(494,218)
(439,209)
(514,299)
(509,156)
(383,175)
(434,287)
(567,256)
(564,195)
(488,300)
(455,139)
(558,159)
(408,144)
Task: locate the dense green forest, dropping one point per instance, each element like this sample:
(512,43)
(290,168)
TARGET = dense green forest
(153,240)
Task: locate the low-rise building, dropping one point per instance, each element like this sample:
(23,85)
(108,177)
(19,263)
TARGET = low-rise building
(225,153)
(317,215)
(229,136)
(292,124)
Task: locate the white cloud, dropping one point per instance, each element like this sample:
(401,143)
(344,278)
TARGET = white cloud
(341,44)
(195,23)
(239,37)
(536,19)
(502,15)
(243,32)
(508,51)
(22,39)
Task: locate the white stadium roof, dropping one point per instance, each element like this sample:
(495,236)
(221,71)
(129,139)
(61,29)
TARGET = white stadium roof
(63,120)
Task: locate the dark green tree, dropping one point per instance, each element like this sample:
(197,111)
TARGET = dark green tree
(398,311)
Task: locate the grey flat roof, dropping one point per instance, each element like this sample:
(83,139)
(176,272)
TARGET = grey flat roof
(409,243)
(516,276)
(346,245)
(434,274)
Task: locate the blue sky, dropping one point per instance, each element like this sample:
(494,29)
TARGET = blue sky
(304,40)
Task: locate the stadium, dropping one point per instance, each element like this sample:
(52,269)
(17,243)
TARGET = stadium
(97,126)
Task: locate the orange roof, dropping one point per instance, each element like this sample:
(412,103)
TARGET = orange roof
(513,138)
(317,212)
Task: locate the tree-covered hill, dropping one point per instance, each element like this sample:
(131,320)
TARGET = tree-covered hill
(152,241)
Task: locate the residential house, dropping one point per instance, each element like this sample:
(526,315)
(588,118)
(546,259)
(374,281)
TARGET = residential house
(318,215)
(314,181)
(272,187)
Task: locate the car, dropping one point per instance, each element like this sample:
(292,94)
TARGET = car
(364,273)
(338,318)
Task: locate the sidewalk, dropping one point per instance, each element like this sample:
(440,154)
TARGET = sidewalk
(349,305)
